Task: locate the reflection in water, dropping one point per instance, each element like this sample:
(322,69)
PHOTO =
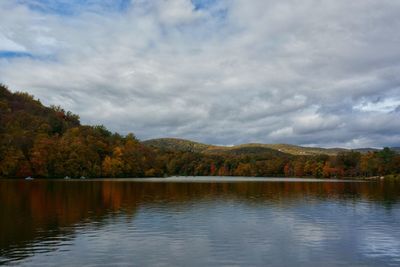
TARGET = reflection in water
(232,223)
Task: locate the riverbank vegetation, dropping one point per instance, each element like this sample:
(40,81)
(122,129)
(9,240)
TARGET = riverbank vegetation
(49,142)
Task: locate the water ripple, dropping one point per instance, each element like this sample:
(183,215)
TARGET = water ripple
(177,224)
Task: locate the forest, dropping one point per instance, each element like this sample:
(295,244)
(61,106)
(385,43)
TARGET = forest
(49,142)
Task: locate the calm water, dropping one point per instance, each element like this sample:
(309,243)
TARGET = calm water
(199,222)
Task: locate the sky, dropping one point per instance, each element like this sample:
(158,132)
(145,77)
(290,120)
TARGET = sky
(315,73)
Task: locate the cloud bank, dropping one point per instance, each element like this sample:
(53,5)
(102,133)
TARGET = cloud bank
(321,73)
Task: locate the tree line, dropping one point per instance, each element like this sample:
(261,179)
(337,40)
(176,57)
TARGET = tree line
(49,142)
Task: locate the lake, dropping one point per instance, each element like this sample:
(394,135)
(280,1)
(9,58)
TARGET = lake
(204,221)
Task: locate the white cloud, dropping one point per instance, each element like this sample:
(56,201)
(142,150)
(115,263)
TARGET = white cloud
(173,12)
(231,72)
(386,105)
(9,45)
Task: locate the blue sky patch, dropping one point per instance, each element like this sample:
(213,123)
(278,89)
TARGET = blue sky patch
(210,5)
(73,7)
(203,4)
(14,54)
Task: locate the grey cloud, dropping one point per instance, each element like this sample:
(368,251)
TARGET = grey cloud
(270,71)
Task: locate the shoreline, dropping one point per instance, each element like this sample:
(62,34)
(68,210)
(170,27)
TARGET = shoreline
(216,178)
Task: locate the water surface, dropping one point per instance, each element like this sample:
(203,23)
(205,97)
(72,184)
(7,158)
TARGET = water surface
(203,221)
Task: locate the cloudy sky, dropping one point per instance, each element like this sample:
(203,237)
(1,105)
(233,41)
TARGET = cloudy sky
(314,72)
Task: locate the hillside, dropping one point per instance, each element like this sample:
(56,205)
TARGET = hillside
(396,149)
(48,142)
(21,111)
(182,145)
(252,148)
(245,150)
(299,150)
(176,144)
(275,149)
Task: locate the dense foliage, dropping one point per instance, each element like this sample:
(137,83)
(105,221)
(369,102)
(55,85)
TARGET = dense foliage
(44,141)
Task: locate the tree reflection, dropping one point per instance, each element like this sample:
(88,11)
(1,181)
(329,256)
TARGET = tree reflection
(33,211)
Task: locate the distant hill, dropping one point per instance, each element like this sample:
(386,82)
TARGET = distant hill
(244,150)
(274,149)
(252,148)
(176,144)
(397,149)
(300,150)
(366,150)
